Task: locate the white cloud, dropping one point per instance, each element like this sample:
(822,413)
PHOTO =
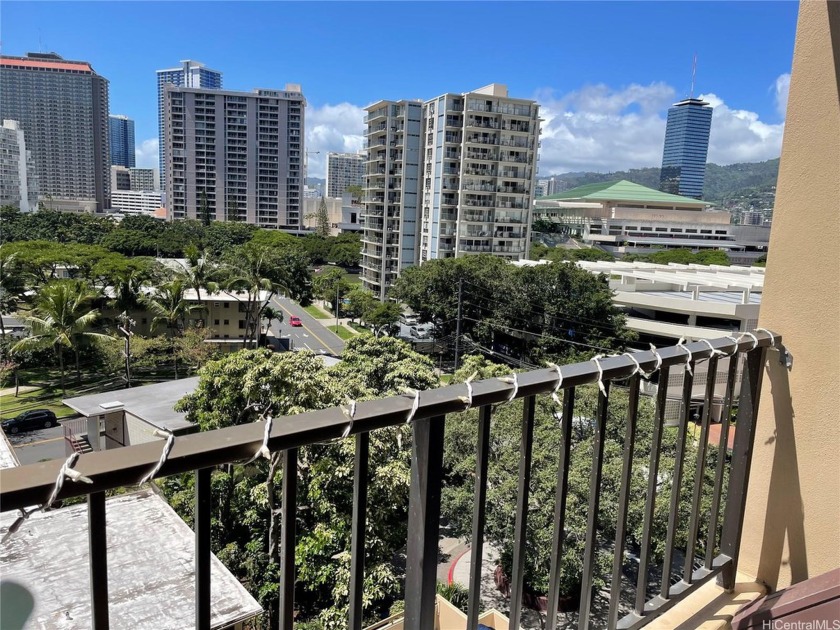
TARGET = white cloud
(739,136)
(598,128)
(146,154)
(338,128)
(782,87)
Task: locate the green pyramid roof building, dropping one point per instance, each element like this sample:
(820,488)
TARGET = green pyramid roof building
(622,191)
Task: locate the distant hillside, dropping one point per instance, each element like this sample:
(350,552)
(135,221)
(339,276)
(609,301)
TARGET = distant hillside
(721,181)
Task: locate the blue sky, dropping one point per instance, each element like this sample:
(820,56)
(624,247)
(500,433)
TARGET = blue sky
(604,72)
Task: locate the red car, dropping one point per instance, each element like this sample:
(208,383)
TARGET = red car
(294,320)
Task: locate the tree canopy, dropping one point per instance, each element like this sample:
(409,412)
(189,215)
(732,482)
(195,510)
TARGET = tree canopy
(236,389)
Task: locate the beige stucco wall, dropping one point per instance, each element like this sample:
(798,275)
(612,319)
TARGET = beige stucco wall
(792,522)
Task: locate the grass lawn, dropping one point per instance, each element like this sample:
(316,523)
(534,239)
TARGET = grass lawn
(37,399)
(445,379)
(316,312)
(342,331)
(358,327)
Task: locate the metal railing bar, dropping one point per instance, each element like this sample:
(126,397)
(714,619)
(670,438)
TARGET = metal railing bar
(726,413)
(699,470)
(739,474)
(479,502)
(31,484)
(658,605)
(521,526)
(203,509)
(424,522)
(594,502)
(624,499)
(287,540)
(676,481)
(650,500)
(359,523)
(97,542)
(560,509)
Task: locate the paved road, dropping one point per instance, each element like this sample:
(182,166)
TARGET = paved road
(36,446)
(313,335)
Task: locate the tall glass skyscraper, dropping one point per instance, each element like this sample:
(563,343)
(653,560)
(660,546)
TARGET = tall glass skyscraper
(121,130)
(190,74)
(686,148)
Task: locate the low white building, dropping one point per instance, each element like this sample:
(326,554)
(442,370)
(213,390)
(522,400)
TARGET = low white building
(18,181)
(136,201)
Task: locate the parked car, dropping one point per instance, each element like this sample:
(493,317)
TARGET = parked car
(294,320)
(30,420)
(408,320)
(421,331)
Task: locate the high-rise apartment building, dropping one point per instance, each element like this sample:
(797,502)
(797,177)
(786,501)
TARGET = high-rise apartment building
(470,191)
(391,204)
(62,108)
(235,155)
(479,167)
(344,170)
(121,131)
(686,148)
(18,183)
(189,74)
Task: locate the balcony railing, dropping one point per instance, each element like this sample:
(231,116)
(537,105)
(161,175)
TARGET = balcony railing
(35,484)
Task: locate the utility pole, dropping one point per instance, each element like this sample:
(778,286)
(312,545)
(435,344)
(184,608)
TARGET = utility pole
(458,322)
(125,329)
(337,287)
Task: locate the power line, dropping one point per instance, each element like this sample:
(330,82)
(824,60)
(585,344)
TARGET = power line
(541,335)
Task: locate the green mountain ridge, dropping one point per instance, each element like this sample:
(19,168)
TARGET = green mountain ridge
(722,182)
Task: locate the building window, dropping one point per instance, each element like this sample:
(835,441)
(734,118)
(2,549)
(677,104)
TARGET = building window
(227,305)
(241,324)
(215,322)
(227,322)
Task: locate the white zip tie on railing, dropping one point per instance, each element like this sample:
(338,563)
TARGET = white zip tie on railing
(735,349)
(408,391)
(597,360)
(681,344)
(512,379)
(468,399)
(263,449)
(350,413)
(164,455)
(554,393)
(714,350)
(772,337)
(754,338)
(658,360)
(638,369)
(66,471)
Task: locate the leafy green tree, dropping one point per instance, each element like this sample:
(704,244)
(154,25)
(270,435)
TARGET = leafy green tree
(331,286)
(271,315)
(383,316)
(459,460)
(346,254)
(62,318)
(360,301)
(356,192)
(245,527)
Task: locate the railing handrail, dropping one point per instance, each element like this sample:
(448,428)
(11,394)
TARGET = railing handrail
(32,484)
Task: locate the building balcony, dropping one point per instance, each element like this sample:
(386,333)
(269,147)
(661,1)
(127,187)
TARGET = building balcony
(756,508)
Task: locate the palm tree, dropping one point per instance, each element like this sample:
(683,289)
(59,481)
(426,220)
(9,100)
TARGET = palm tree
(199,272)
(254,271)
(11,284)
(169,308)
(62,318)
(272,314)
